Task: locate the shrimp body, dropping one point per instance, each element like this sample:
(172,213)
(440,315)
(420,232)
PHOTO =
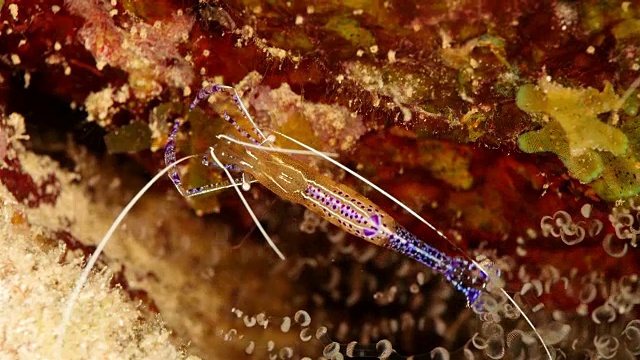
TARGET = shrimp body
(347,209)
(344,207)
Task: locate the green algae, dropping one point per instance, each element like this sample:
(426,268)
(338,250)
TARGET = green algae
(621,18)
(627,29)
(446,164)
(631,128)
(293,40)
(350,30)
(197,176)
(473,60)
(585,167)
(473,124)
(620,179)
(133,137)
(594,152)
(460,57)
(375,11)
(468,127)
(576,110)
(159,122)
(632,104)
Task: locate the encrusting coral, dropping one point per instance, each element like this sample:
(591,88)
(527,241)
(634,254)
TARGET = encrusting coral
(36,277)
(34,283)
(589,148)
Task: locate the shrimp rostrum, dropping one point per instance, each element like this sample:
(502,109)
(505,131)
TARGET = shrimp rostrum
(256,159)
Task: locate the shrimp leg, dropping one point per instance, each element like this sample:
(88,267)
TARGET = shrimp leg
(207,91)
(170,158)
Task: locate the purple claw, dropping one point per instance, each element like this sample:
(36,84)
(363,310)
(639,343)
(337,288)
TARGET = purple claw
(170,155)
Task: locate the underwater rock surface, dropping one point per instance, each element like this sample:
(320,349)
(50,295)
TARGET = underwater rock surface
(512,127)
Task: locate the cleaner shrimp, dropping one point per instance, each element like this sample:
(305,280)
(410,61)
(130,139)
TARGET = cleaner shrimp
(259,160)
(340,205)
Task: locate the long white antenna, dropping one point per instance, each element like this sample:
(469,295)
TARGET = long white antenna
(524,316)
(410,211)
(634,85)
(274,149)
(66,315)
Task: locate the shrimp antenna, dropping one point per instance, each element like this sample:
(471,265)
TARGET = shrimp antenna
(634,85)
(82,280)
(275,149)
(246,204)
(410,211)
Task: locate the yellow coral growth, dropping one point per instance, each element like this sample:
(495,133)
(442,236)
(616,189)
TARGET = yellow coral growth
(621,179)
(576,111)
(585,167)
(590,149)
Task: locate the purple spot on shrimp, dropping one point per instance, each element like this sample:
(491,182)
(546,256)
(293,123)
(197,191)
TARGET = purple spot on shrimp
(369,232)
(175,178)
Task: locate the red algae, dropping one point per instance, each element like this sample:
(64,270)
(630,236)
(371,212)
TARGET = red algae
(139,48)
